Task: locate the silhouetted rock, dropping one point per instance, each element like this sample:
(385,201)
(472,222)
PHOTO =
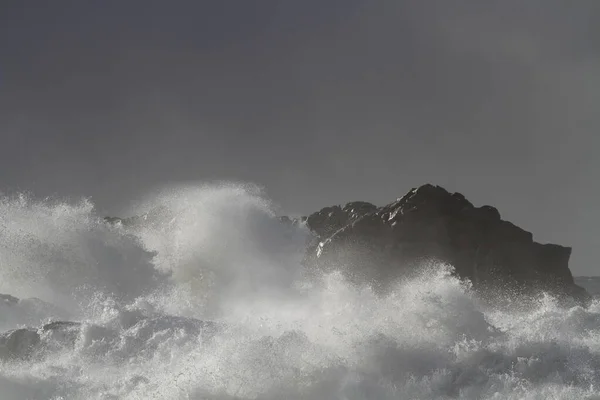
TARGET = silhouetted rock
(380,244)
(331,219)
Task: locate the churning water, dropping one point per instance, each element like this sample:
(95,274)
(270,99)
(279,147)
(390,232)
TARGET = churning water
(206,299)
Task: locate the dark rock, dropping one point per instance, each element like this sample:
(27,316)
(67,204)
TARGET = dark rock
(377,245)
(380,244)
(331,219)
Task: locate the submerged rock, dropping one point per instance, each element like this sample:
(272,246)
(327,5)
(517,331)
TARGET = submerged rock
(429,223)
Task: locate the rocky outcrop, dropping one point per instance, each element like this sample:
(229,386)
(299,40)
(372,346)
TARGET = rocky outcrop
(380,244)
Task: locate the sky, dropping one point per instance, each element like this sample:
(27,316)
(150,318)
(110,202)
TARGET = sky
(321,102)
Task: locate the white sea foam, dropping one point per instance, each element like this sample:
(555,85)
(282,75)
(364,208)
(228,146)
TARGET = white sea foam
(217,252)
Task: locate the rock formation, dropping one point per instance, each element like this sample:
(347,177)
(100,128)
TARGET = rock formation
(379,244)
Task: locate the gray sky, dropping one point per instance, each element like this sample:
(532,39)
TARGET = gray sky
(322,102)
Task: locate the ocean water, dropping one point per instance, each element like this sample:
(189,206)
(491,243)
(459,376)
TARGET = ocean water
(206,299)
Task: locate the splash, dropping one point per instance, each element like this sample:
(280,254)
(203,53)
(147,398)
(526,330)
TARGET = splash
(64,254)
(205,298)
(220,244)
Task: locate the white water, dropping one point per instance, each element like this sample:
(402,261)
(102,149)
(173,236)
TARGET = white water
(220,255)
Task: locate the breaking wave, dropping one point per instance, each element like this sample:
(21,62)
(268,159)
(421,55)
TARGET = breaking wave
(205,298)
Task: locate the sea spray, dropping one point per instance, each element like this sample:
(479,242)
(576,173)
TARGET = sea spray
(64,254)
(221,243)
(205,299)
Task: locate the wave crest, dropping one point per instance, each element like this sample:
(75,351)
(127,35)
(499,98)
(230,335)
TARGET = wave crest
(216,256)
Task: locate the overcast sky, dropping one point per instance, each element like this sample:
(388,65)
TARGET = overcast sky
(320,101)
